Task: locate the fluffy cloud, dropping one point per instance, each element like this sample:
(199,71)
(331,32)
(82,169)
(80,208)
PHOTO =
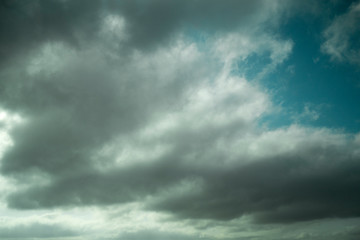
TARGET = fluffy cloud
(118,141)
(86,123)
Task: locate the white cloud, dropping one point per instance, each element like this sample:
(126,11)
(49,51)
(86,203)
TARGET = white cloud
(234,48)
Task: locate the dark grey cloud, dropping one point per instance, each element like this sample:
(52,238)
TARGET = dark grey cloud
(35,230)
(288,188)
(96,188)
(72,113)
(154,23)
(25,25)
(312,182)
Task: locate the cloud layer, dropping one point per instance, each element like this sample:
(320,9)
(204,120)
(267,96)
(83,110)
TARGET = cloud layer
(113,103)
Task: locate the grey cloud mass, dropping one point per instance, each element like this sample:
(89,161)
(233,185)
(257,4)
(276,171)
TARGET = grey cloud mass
(316,181)
(149,23)
(24,25)
(286,188)
(143,102)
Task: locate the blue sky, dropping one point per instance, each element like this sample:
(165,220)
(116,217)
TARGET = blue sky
(312,77)
(177,120)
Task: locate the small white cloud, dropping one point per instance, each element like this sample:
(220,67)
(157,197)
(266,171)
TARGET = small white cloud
(234,48)
(310,112)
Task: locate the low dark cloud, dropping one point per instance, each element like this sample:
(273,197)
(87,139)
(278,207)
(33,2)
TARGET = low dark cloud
(96,188)
(310,183)
(314,183)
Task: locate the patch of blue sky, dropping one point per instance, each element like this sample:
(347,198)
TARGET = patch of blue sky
(311,88)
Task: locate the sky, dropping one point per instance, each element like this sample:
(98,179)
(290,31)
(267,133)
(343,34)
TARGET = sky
(179,120)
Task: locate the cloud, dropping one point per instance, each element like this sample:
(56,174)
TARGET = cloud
(80,134)
(303,180)
(111,104)
(153,24)
(25,25)
(148,25)
(341,36)
(82,109)
(310,112)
